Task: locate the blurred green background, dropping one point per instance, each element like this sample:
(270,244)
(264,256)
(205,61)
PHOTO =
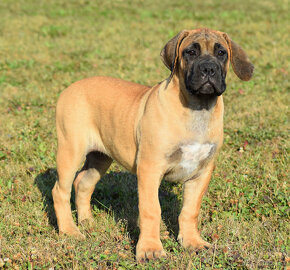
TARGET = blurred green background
(47,45)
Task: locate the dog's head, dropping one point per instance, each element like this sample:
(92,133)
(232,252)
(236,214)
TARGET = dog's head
(201,57)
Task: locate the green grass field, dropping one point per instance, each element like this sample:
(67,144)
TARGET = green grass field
(47,45)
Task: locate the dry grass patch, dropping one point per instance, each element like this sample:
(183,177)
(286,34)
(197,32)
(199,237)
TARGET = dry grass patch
(47,45)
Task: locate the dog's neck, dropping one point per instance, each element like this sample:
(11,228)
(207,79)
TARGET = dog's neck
(188,100)
(203,102)
(196,112)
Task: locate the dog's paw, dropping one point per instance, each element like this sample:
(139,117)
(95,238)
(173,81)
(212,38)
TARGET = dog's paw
(87,222)
(148,249)
(85,215)
(193,243)
(88,226)
(73,232)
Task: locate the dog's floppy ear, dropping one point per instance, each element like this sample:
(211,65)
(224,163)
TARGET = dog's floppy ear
(239,59)
(169,53)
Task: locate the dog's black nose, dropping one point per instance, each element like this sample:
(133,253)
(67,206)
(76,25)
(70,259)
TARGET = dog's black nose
(208,69)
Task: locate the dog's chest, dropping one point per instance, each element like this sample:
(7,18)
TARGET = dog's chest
(194,154)
(188,159)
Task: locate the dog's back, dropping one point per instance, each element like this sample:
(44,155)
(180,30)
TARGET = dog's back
(86,107)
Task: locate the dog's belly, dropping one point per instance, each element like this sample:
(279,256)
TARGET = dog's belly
(188,160)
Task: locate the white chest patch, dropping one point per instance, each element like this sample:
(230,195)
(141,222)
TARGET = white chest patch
(193,154)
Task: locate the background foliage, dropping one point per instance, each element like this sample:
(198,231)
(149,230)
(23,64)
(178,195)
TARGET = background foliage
(47,45)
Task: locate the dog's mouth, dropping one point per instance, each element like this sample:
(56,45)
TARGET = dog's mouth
(207,88)
(205,85)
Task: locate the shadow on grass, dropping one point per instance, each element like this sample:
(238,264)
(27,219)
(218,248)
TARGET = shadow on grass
(45,182)
(115,193)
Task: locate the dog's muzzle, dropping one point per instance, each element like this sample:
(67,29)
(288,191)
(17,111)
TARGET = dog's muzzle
(206,78)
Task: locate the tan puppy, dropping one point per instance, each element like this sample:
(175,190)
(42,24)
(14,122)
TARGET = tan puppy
(171,131)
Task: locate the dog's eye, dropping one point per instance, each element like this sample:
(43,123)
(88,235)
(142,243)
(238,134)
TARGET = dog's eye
(221,53)
(192,52)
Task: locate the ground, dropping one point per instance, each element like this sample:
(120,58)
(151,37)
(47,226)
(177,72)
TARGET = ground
(47,45)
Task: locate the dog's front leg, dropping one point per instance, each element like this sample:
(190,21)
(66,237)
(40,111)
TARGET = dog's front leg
(194,189)
(149,245)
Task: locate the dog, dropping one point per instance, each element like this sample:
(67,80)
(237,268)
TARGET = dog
(172,131)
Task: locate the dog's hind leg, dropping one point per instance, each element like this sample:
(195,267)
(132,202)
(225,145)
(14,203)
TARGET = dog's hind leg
(69,158)
(94,168)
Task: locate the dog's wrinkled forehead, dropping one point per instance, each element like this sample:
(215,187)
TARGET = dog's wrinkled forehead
(206,38)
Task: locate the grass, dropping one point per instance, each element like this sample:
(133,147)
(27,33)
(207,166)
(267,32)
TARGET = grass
(47,45)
